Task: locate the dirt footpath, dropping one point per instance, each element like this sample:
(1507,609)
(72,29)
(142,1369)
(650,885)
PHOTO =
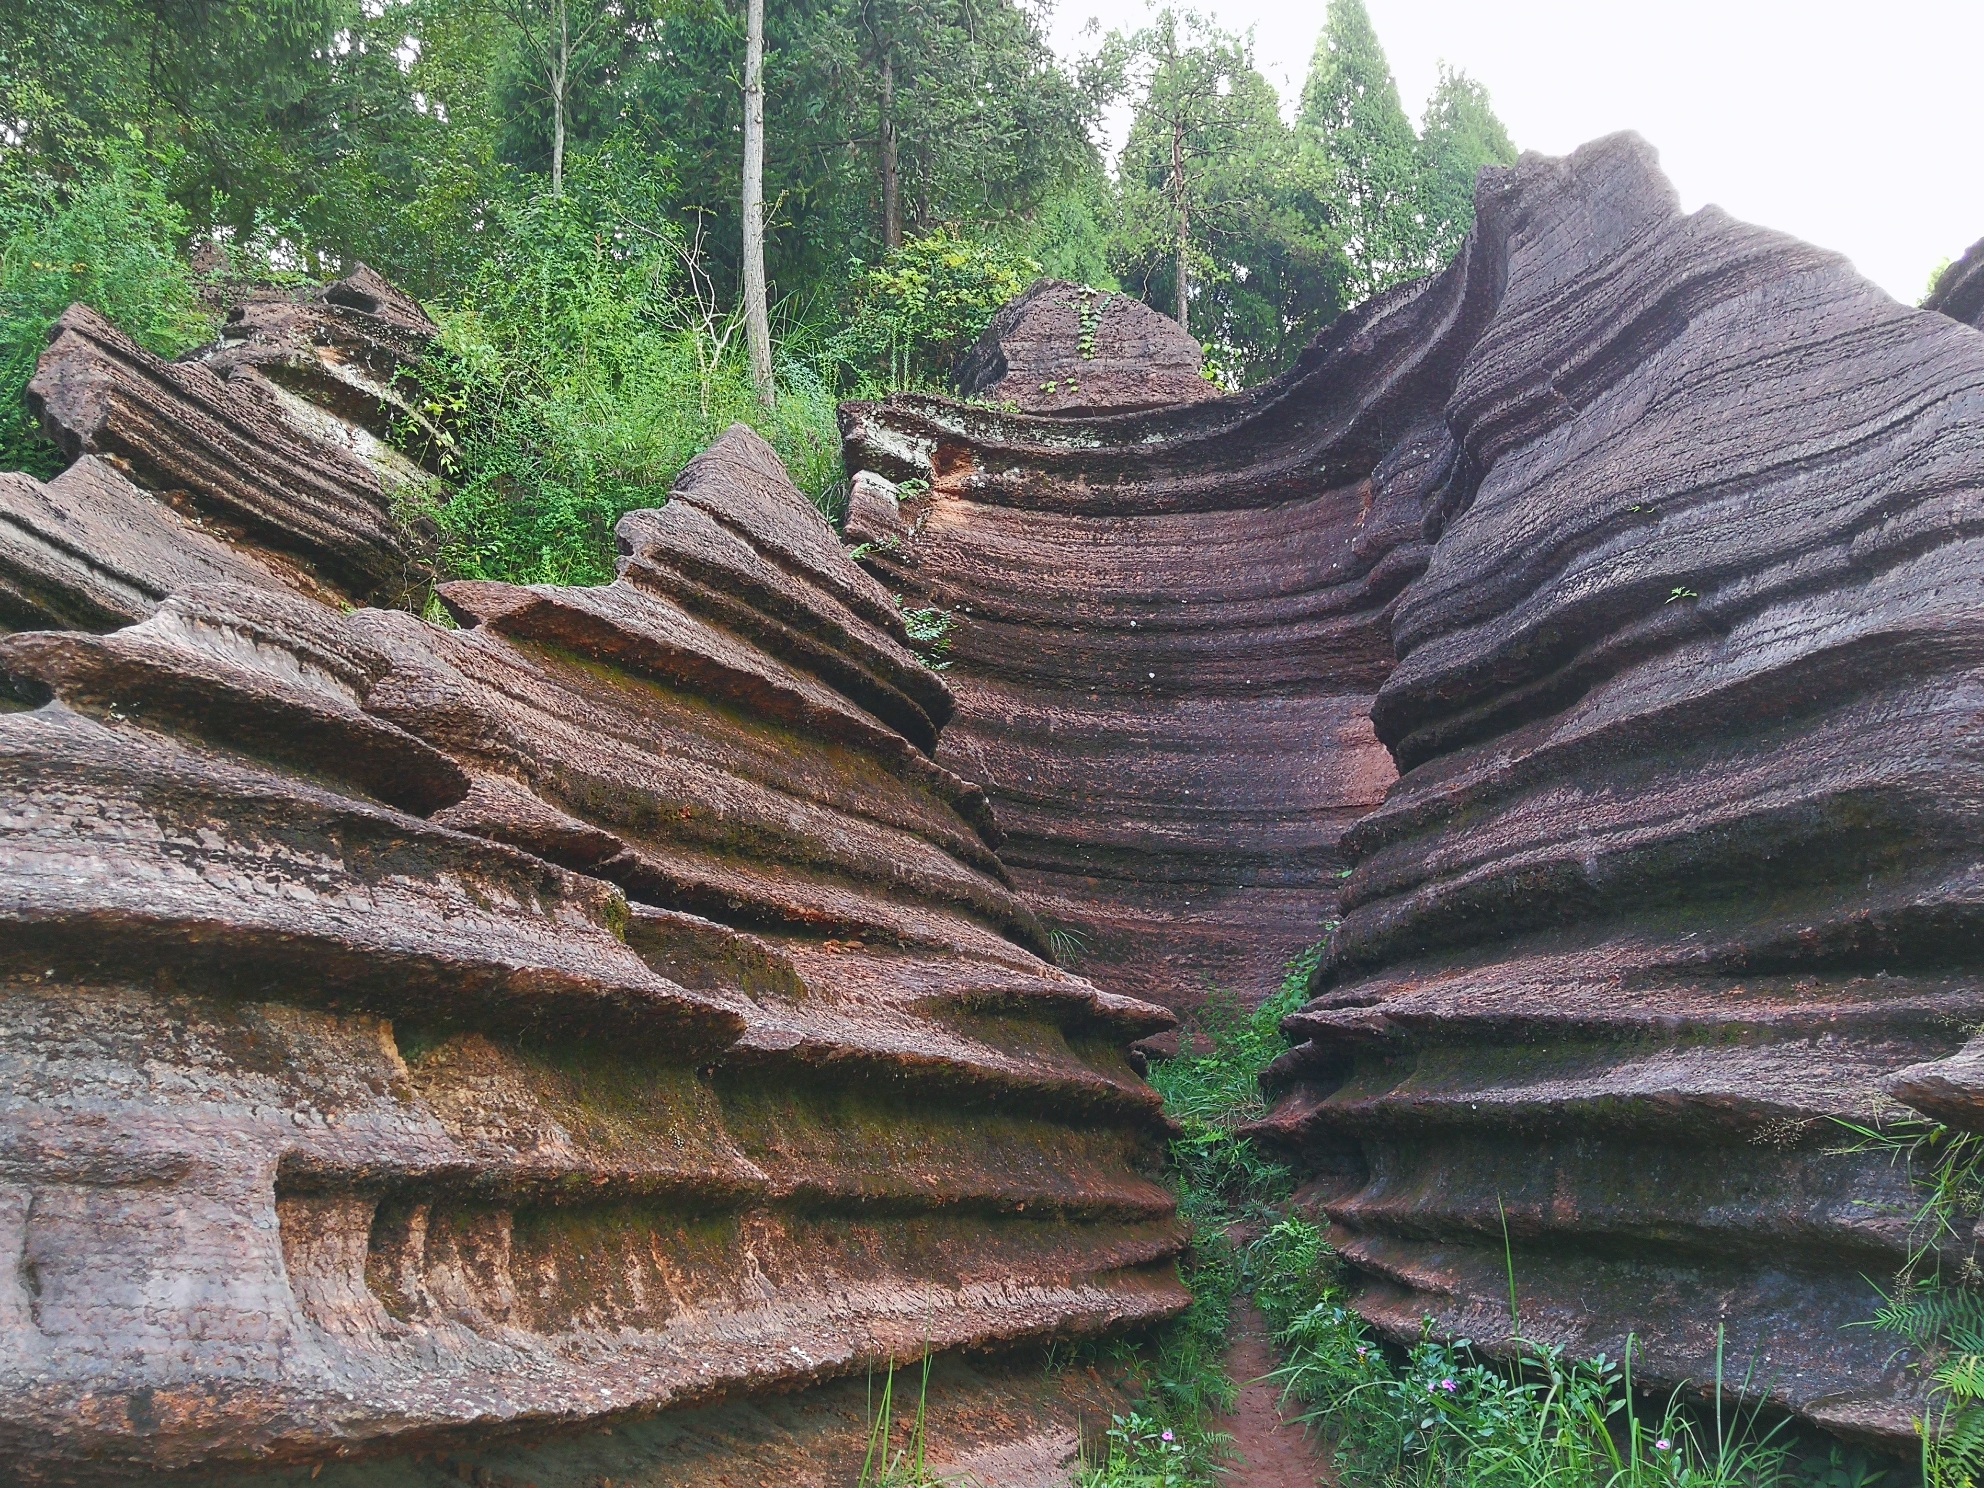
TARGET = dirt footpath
(1272,1452)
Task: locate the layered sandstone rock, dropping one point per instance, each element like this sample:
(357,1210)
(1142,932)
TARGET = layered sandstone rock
(1682,870)
(416,1037)
(1170,625)
(1959,292)
(1646,544)
(1065,348)
(274,439)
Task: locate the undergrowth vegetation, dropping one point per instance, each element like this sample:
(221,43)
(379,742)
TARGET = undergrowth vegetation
(112,243)
(1936,1306)
(1437,1413)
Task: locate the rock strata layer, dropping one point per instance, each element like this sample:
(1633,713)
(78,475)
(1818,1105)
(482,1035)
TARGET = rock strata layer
(415,1037)
(1170,626)
(1645,545)
(274,439)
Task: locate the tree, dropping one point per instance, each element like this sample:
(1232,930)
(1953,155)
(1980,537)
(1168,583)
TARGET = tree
(757,318)
(1209,215)
(545,33)
(1360,156)
(1461,135)
(1191,113)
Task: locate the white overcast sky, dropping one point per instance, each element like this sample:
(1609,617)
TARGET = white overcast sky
(1858,127)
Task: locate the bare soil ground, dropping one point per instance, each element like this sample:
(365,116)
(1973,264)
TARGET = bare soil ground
(1272,1449)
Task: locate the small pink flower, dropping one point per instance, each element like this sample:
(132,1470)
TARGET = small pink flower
(1662,1445)
(1449,1386)
(1167,1434)
(1361,1350)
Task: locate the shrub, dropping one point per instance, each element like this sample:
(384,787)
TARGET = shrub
(913,315)
(109,239)
(581,370)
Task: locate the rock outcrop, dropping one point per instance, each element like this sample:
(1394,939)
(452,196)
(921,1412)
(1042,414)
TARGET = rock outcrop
(419,1038)
(1647,545)
(1068,349)
(1681,870)
(1169,629)
(274,440)
(1959,291)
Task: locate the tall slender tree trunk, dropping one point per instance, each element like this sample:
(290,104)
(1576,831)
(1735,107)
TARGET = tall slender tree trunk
(891,175)
(1184,315)
(561,68)
(757,316)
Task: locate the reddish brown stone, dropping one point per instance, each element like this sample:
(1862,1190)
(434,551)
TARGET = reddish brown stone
(418,1036)
(90,551)
(1066,349)
(277,474)
(1681,871)
(1644,544)
(1169,630)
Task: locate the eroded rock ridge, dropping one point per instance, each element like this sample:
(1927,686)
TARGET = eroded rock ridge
(1646,546)
(417,1034)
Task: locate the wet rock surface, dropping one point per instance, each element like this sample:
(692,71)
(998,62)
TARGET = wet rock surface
(418,1038)
(1644,544)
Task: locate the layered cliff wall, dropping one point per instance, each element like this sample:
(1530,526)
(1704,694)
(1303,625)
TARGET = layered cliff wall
(1645,544)
(1170,625)
(414,1037)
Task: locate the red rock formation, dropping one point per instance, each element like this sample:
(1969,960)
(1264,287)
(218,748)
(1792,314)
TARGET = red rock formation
(1064,348)
(1647,544)
(1170,626)
(1681,870)
(416,1035)
(273,439)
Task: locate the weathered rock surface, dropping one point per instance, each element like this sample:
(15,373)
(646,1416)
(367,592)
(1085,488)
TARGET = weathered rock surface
(1682,870)
(1959,293)
(272,439)
(1170,628)
(1647,546)
(90,551)
(415,1037)
(1065,348)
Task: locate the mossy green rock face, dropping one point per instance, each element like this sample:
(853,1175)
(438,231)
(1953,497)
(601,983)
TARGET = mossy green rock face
(412,1037)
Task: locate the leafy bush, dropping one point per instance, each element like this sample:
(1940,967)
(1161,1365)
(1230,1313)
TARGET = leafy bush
(1145,1453)
(109,239)
(583,369)
(913,315)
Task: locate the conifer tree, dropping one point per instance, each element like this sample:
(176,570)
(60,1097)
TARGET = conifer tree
(1360,156)
(1461,135)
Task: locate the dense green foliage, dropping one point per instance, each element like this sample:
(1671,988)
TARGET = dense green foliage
(924,304)
(923,163)
(585,374)
(1936,1306)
